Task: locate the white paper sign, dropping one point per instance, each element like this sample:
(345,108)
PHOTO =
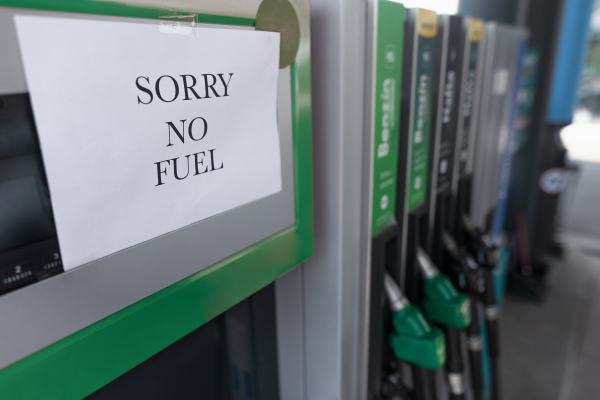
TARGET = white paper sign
(143,132)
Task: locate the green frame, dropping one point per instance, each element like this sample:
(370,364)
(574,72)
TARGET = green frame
(85,361)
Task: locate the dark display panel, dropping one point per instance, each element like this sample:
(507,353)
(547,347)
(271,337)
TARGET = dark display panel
(28,245)
(232,357)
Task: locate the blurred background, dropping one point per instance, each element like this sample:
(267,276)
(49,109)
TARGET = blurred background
(550,333)
(550,328)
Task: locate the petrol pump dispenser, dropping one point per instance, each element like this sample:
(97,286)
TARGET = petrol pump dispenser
(454,313)
(418,77)
(481,188)
(456,70)
(454,198)
(398,331)
(469,278)
(453,182)
(458,62)
(418,81)
(456,122)
(451,310)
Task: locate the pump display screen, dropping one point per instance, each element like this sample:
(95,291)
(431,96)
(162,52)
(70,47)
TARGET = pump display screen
(28,246)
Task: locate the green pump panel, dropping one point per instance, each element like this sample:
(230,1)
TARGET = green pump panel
(412,339)
(69,328)
(386,124)
(418,77)
(426,25)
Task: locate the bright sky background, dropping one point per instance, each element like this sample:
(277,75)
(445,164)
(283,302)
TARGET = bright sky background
(582,140)
(439,6)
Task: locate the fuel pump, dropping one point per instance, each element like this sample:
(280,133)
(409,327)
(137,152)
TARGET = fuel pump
(394,344)
(456,315)
(469,279)
(399,335)
(485,174)
(482,247)
(418,82)
(453,129)
(446,307)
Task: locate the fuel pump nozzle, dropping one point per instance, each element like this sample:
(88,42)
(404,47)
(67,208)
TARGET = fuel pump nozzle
(481,244)
(469,276)
(470,279)
(487,254)
(442,304)
(413,339)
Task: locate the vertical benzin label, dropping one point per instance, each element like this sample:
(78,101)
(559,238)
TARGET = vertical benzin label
(475,35)
(390,30)
(427,28)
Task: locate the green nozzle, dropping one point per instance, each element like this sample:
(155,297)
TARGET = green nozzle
(415,341)
(444,305)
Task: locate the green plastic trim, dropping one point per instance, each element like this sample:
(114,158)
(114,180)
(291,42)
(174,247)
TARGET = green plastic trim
(386,121)
(82,363)
(115,9)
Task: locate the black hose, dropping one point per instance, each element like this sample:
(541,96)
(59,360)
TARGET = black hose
(474,347)
(493,332)
(495,372)
(429,382)
(395,386)
(462,396)
(491,313)
(493,338)
(423,383)
(455,367)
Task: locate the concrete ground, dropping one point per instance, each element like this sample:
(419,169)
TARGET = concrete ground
(551,349)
